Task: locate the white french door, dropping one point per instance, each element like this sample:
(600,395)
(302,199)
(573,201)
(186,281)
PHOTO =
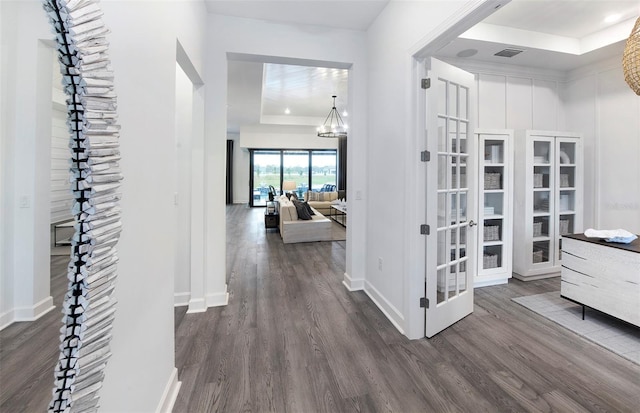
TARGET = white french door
(450,204)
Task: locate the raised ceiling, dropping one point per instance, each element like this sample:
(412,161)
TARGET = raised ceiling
(554,34)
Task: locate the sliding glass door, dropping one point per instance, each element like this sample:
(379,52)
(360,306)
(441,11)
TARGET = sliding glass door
(303,169)
(295,165)
(323,169)
(265,172)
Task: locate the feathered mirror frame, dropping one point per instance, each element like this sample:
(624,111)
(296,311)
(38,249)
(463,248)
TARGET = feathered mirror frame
(95,177)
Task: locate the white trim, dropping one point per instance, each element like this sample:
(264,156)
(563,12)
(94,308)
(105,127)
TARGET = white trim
(6,319)
(487,282)
(473,12)
(218,299)
(197,305)
(170,393)
(503,69)
(385,306)
(353,284)
(35,311)
(181,299)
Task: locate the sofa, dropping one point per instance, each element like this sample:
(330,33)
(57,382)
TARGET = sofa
(293,230)
(321,201)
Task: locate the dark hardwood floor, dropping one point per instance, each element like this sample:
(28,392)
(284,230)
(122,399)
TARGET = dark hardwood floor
(293,339)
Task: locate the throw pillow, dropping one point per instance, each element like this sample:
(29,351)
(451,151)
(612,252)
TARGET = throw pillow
(301,210)
(309,208)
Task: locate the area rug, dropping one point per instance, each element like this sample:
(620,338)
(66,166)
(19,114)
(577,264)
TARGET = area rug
(338,232)
(606,331)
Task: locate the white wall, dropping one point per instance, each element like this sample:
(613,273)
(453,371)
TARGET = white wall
(284,137)
(61,197)
(253,37)
(26,162)
(143,50)
(515,97)
(599,104)
(7,96)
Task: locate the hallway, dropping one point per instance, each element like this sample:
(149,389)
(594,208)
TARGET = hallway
(294,339)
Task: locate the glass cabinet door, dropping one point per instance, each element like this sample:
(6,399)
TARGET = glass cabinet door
(566,152)
(495,195)
(543,200)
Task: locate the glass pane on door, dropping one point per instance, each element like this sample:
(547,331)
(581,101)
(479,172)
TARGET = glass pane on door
(266,171)
(323,170)
(295,168)
(452,195)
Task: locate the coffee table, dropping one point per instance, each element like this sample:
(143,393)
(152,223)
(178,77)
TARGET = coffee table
(338,213)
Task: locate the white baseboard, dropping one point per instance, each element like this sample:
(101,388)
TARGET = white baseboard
(181,299)
(6,319)
(170,393)
(218,300)
(353,284)
(490,282)
(200,305)
(35,311)
(197,305)
(26,313)
(387,308)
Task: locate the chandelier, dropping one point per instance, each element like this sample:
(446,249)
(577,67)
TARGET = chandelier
(333,126)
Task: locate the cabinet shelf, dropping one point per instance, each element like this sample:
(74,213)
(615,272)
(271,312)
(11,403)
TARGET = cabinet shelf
(541,213)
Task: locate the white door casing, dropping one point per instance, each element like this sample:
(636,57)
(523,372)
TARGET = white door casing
(450,197)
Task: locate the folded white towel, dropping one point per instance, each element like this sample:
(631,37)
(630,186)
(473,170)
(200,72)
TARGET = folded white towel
(611,235)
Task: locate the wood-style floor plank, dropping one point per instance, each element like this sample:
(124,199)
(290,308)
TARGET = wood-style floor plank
(293,339)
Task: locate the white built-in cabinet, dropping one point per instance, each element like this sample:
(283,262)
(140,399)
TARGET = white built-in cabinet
(495,206)
(548,198)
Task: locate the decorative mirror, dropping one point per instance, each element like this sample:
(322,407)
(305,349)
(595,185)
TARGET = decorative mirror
(89,305)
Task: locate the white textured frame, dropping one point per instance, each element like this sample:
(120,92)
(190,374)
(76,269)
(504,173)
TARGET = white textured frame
(89,305)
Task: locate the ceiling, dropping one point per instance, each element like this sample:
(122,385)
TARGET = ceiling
(554,34)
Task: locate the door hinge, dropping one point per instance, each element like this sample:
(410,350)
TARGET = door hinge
(425,83)
(424,302)
(425,156)
(424,229)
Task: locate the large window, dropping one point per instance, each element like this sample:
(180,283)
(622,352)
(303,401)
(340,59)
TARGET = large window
(315,169)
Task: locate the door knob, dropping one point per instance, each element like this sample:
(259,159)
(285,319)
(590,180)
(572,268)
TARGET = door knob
(472,223)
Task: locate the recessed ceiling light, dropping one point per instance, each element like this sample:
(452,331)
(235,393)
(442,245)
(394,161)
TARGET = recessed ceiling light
(287,111)
(344,113)
(612,18)
(467,53)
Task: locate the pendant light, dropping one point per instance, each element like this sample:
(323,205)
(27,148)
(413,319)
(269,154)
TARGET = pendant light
(333,126)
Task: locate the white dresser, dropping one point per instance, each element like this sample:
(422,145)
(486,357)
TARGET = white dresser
(602,275)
